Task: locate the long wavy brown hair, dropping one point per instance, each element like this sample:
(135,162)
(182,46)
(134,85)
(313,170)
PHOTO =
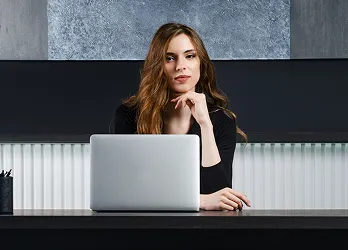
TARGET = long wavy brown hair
(153,93)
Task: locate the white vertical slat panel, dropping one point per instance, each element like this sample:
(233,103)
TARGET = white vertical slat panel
(48,175)
(37,176)
(17,174)
(240,182)
(297,177)
(308,164)
(28,187)
(269,187)
(1,158)
(78,193)
(259,176)
(344,165)
(266,188)
(278,176)
(68,175)
(58,180)
(327,176)
(336,176)
(273,175)
(86,163)
(319,175)
(289,178)
(242,164)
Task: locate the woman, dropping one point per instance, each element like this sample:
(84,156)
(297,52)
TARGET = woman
(178,95)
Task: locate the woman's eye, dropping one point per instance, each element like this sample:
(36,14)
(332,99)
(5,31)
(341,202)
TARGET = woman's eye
(191,56)
(169,58)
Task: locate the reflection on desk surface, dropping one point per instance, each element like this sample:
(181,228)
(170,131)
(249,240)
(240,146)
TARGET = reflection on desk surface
(246,212)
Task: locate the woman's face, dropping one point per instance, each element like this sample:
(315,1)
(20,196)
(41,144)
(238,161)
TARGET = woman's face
(182,65)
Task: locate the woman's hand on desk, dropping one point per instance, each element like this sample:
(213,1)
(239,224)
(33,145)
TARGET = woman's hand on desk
(224,199)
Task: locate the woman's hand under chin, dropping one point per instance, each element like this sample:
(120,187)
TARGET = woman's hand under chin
(224,199)
(197,104)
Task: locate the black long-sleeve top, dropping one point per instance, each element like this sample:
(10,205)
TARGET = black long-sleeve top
(213,178)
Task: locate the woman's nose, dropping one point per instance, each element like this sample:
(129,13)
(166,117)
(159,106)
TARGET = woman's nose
(180,65)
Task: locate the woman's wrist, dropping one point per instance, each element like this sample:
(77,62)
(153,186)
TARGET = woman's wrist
(207,125)
(202,201)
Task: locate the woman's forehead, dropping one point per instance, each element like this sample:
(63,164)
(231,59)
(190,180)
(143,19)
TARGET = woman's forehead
(180,44)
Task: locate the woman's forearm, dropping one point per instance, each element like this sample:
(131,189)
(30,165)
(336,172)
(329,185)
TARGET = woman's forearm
(210,152)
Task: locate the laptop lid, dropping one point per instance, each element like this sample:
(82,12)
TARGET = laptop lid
(144,172)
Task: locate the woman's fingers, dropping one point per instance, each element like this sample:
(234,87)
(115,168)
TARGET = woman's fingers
(182,100)
(238,203)
(189,96)
(225,206)
(229,202)
(240,196)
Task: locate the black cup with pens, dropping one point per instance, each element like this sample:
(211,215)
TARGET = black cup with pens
(6,192)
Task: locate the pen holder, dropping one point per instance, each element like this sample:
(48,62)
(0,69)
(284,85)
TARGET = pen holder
(6,195)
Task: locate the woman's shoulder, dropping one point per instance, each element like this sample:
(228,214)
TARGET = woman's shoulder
(125,108)
(125,111)
(220,116)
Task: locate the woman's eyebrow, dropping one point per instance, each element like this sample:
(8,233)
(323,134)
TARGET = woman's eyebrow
(186,51)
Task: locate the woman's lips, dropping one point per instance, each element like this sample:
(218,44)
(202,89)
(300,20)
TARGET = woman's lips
(182,79)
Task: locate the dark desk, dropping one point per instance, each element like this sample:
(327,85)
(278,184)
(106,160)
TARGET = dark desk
(85,228)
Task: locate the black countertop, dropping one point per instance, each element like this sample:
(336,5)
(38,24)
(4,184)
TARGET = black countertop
(246,219)
(179,230)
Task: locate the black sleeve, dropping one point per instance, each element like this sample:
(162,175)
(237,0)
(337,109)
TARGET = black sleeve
(124,121)
(219,176)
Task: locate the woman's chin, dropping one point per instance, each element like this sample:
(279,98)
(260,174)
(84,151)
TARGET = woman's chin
(182,89)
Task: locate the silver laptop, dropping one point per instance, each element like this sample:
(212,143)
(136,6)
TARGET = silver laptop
(143,172)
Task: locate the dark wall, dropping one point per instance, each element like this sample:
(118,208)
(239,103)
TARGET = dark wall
(274,100)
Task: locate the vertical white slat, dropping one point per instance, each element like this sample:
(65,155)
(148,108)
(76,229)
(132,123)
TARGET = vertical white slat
(318,175)
(273,176)
(328,192)
(331,165)
(308,161)
(279,176)
(38,175)
(1,158)
(289,185)
(268,155)
(248,164)
(58,180)
(238,169)
(259,176)
(78,176)
(344,177)
(297,182)
(68,176)
(17,177)
(242,177)
(48,176)
(86,168)
(252,164)
(27,175)
(336,175)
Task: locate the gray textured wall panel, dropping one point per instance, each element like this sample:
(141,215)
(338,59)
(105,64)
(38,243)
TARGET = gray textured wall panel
(23,30)
(122,30)
(319,29)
